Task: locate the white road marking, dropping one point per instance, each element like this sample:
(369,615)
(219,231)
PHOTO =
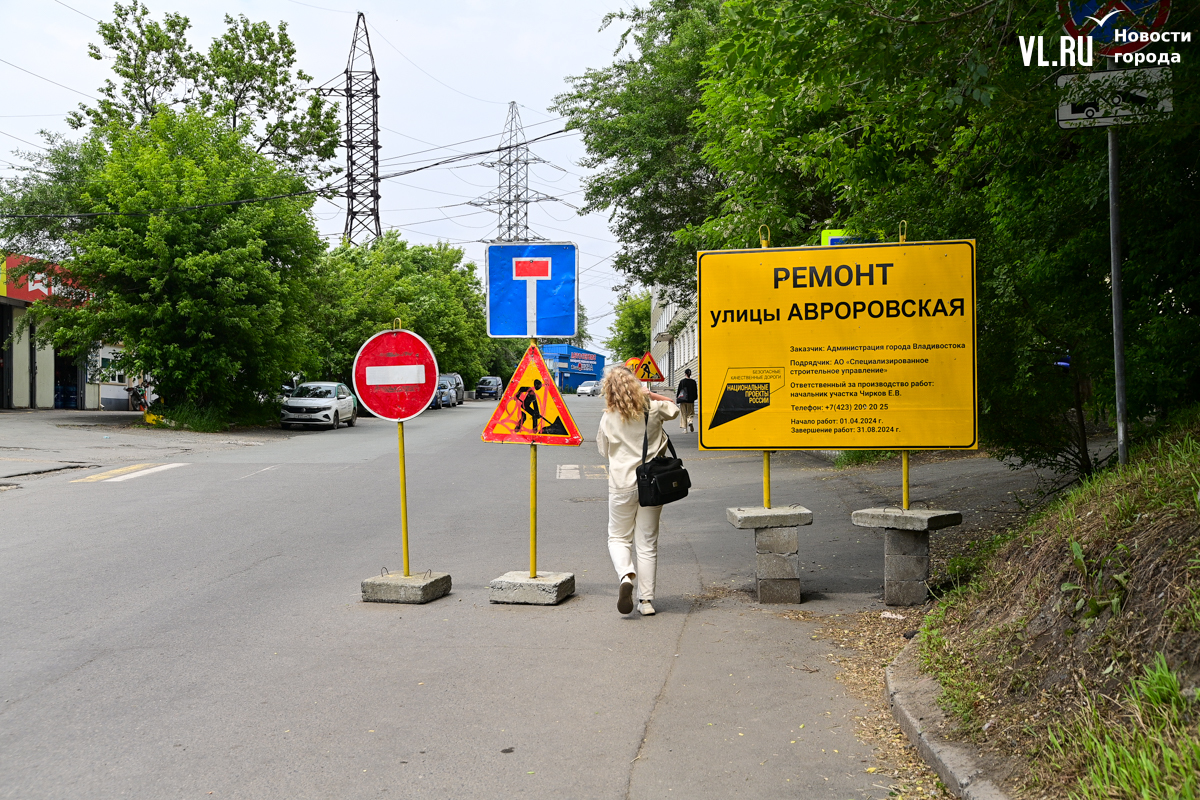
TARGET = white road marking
(395,375)
(133,475)
(575,471)
(264,469)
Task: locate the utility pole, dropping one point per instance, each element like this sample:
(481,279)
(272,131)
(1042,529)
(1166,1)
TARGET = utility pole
(513,196)
(361,92)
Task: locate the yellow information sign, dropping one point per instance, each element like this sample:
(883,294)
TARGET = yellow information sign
(838,348)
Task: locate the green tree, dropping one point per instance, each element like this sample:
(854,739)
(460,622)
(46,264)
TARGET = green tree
(637,121)
(836,113)
(363,288)
(204,284)
(629,334)
(247,78)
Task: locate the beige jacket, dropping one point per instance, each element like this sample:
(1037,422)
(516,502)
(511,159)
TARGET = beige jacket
(620,441)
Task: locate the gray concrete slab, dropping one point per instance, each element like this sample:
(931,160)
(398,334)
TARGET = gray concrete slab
(520,588)
(762,517)
(914,519)
(399,588)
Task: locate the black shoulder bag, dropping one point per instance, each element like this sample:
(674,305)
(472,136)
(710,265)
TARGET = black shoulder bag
(662,479)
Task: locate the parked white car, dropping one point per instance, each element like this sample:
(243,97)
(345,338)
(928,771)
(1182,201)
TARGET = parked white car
(589,388)
(320,403)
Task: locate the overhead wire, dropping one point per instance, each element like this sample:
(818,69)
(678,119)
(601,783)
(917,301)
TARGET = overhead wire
(376,30)
(76,10)
(47,80)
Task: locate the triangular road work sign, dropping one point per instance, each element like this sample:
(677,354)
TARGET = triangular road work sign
(647,369)
(532,410)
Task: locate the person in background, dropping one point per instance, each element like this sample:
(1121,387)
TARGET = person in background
(632,413)
(686,398)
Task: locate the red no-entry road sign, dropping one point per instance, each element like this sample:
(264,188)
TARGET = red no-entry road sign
(395,375)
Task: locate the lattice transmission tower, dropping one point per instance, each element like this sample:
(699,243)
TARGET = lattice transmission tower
(361,92)
(513,196)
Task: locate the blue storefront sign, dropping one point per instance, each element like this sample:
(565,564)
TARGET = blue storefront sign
(573,365)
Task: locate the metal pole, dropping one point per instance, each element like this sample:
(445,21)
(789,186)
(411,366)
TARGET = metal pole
(403,498)
(1114,243)
(904,471)
(766,478)
(533,510)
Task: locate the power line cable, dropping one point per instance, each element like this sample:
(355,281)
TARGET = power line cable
(76,10)
(443,83)
(19,139)
(47,80)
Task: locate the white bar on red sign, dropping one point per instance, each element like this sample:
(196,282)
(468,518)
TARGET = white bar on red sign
(397,374)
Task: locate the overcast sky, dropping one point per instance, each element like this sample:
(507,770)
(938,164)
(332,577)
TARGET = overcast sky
(447,72)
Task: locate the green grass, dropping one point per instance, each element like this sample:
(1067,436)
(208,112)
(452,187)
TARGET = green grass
(1153,753)
(858,458)
(192,417)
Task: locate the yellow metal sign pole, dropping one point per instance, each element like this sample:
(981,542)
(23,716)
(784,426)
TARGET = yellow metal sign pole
(904,454)
(533,501)
(533,510)
(764,239)
(766,478)
(403,498)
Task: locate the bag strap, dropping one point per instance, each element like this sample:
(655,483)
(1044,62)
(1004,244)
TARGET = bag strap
(646,437)
(646,441)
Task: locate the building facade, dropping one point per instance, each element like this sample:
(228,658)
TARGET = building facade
(572,365)
(674,339)
(36,377)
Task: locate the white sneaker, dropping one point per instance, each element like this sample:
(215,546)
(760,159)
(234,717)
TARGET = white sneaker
(625,595)
(646,608)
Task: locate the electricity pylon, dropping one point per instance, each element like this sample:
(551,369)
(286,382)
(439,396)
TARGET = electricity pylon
(362,138)
(513,196)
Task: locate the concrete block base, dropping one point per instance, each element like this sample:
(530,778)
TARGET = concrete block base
(547,589)
(778,591)
(420,588)
(905,548)
(905,593)
(777,573)
(759,517)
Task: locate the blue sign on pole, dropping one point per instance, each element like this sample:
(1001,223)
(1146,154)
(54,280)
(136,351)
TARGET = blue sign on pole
(532,289)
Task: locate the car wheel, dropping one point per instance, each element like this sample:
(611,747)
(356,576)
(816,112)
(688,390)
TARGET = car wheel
(353,418)
(337,422)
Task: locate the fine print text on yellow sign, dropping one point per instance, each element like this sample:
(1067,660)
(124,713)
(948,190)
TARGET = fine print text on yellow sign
(838,348)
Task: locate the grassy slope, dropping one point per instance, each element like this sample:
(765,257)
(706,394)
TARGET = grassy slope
(1050,653)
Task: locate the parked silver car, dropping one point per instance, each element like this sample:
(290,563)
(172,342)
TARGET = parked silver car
(320,403)
(456,383)
(590,388)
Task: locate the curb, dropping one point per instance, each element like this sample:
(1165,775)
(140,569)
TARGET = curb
(912,698)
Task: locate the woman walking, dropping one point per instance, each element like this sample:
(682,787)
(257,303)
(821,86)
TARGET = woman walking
(632,412)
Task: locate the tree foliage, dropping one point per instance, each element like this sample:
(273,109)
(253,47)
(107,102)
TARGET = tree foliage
(629,334)
(842,114)
(636,117)
(247,78)
(204,291)
(362,289)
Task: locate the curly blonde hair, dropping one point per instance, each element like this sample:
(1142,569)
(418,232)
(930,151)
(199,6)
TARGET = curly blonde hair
(623,393)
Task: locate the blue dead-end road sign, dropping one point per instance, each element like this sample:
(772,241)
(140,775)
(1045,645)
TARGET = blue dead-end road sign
(532,289)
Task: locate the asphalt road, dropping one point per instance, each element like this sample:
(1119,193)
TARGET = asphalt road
(197,630)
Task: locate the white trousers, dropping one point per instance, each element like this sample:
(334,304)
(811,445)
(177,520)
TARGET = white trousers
(633,529)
